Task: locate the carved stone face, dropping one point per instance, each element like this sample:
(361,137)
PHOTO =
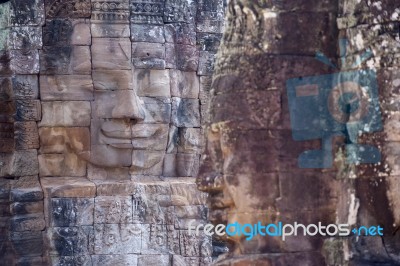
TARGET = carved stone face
(116,98)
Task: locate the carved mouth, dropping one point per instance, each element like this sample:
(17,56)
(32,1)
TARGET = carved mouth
(124,136)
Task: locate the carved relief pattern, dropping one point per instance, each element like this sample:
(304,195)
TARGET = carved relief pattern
(177,11)
(114,11)
(147,12)
(69,8)
(24,61)
(22,89)
(28,110)
(26,135)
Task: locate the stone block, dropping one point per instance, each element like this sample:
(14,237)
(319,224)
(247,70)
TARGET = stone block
(143,12)
(117,238)
(185,261)
(5,63)
(148,55)
(7,142)
(147,33)
(107,30)
(185,192)
(157,110)
(190,140)
(125,259)
(181,165)
(209,26)
(184,84)
(170,55)
(111,53)
(81,60)
(27,243)
(149,63)
(209,41)
(152,203)
(55,60)
(25,87)
(24,61)
(115,187)
(180,33)
(26,189)
(173,240)
(147,162)
(27,110)
(191,212)
(112,79)
(205,87)
(28,222)
(144,260)
(117,104)
(67,113)
(212,10)
(173,138)
(4,16)
(58,32)
(70,241)
(25,38)
(148,50)
(392,127)
(26,135)
(83,260)
(55,139)
(6,89)
(66,87)
(150,136)
(152,83)
(27,13)
(65,60)
(110,12)
(206,63)
(185,112)
(100,173)
(19,163)
(154,239)
(187,57)
(4,35)
(113,210)
(62,9)
(190,243)
(81,34)
(68,164)
(68,187)
(106,155)
(17,208)
(71,212)
(8,110)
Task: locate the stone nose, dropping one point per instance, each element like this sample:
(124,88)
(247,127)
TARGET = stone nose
(129,106)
